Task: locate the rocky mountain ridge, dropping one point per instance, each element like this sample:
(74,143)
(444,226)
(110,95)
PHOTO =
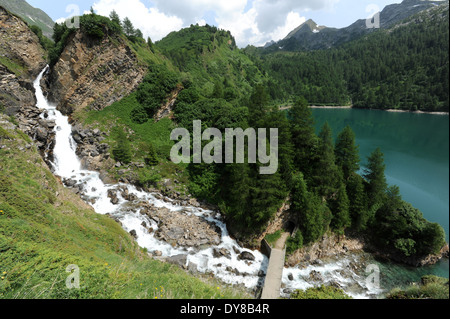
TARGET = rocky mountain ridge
(310,36)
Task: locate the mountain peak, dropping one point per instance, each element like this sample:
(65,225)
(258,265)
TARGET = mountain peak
(310,36)
(307,26)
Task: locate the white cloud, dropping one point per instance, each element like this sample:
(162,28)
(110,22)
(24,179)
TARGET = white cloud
(250,21)
(150,21)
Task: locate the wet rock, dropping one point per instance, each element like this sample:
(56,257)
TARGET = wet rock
(133,233)
(69,182)
(261,274)
(315,276)
(317,262)
(335,284)
(193,268)
(179,260)
(222,252)
(246,256)
(175,233)
(112,194)
(184,230)
(291,277)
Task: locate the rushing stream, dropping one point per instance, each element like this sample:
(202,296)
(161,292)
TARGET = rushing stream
(66,164)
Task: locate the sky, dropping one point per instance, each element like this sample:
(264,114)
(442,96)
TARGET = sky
(253,22)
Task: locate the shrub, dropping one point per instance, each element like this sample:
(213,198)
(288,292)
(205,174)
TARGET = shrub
(294,243)
(322,292)
(122,152)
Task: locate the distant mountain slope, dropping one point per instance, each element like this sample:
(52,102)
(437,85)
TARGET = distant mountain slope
(310,36)
(210,55)
(31,15)
(403,67)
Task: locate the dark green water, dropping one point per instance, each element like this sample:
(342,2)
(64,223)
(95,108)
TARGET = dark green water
(416,149)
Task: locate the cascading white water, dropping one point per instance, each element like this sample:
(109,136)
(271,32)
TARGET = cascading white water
(67,166)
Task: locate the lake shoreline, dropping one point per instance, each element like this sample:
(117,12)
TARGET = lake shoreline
(361,108)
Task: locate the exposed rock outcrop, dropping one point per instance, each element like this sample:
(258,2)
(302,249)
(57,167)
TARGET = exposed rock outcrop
(330,246)
(15,92)
(94,154)
(182,229)
(414,261)
(41,130)
(166,109)
(21,60)
(93,73)
(20,45)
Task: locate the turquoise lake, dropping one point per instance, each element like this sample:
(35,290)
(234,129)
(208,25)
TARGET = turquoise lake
(416,153)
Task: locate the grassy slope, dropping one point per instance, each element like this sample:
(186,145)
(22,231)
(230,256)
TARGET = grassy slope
(44,228)
(156,133)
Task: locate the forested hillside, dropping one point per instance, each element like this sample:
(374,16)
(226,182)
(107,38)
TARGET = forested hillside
(198,73)
(404,67)
(315,172)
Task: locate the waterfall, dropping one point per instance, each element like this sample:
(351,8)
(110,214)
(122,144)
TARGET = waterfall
(67,166)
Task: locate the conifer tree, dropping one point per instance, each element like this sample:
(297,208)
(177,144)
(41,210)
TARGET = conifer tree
(358,202)
(115,18)
(311,213)
(340,206)
(304,138)
(152,158)
(376,179)
(122,151)
(326,176)
(128,27)
(257,107)
(347,153)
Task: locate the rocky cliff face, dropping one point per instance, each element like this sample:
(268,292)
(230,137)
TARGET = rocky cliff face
(21,60)
(93,73)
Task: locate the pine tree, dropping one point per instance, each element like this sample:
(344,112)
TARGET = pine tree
(138,34)
(347,153)
(115,18)
(257,107)
(277,119)
(376,179)
(358,202)
(311,214)
(304,138)
(122,151)
(128,27)
(152,158)
(235,182)
(326,176)
(340,206)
